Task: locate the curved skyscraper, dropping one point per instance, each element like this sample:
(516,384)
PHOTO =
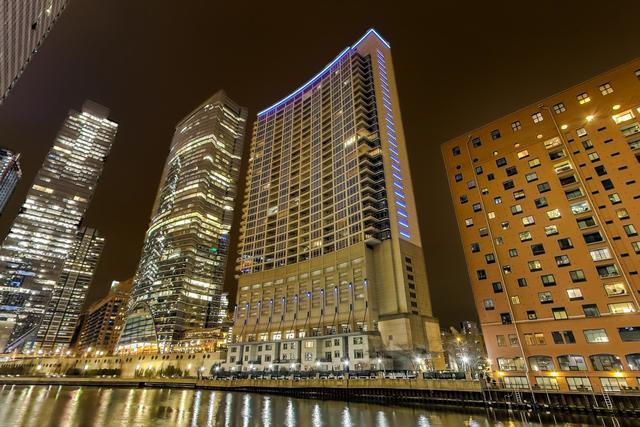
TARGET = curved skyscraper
(331,266)
(181,271)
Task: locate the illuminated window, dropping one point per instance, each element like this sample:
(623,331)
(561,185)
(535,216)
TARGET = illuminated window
(534,163)
(600,254)
(528,220)
(554,213)
(535,265)
(545,297)
(525,236)
(574,294)
(559,108)
(615,289)
(623,117)
(537,117)
(583,98)
(516,126)
(622,307)
(605,89)
(551,230)
(595,335)
(559,313)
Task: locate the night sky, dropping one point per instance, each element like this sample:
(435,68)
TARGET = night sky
(457,66)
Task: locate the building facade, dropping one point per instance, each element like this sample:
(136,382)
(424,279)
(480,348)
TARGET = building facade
(45,229)
(70,292)
(24,24)
(10,174)
(548,207)
(102,324)
(330,247)
(181,271)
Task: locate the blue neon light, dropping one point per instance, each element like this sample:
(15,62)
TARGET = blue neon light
(324,70)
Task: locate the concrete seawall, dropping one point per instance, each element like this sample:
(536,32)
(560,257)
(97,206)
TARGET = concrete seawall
(383,391)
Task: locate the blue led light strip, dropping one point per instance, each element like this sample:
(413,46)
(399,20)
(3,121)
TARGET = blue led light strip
(393,152)
(325,69)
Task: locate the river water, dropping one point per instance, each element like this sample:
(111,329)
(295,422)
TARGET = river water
(94,406)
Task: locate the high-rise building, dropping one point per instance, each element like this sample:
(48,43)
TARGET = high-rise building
(331,268)
(45,229)
(547,203)
(70,292)
(24,24)
(181,271)
(102,324)
(10,174)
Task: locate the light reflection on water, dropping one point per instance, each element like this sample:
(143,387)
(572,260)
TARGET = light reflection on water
(89,406)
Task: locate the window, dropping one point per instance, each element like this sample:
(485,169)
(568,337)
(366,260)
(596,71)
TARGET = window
(580,207)
(500,339)
(475,247)
(594,237)
(554,213)
(613,384)
(551,230)
(516,209)
(548,280)
(559,313)
(573,193)
(484,231)
(495,134)
(477,207)
(614,198)
(522,282)
(534,163)
(587,144)
(579,384)
(505,318)
(501,162)
(535,265)
(609,270)
(537,117)
(615,289)
(628,334)
(479,170)
(607,184)
(511,364)
(562,260)
(511,170)
(595,335)
(594,157)
(545,297)
(574,294)
(559,108)
(541,202)
(488,304)
(591,310)
(605,89)
(555,155)
(636,247)
(537,249)
(513,253)
(623,117)
(622,213)
(528,220)
(463,199)
(515,300)
(531,315)
(583,98)
(476,142)
(569,179)
(490,177)
(490,258)
(605,362)
(600,170)
(522,154)
(504,225)
(565,243)
(637,73)
(577,276)
(630,230)
(525,235)
(516,126)
(622,307)
(508,184)
(456,151)
(468,222)
(600,254)
(572,362)
(519,194)
(544,187)
(581,132)
(586,222)
(531,176)
(481,274)
(471,184)
(541,363)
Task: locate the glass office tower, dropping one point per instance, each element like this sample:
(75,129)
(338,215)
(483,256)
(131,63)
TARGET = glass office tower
(24,24)
(179,281)
(45,229)
(10,174)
